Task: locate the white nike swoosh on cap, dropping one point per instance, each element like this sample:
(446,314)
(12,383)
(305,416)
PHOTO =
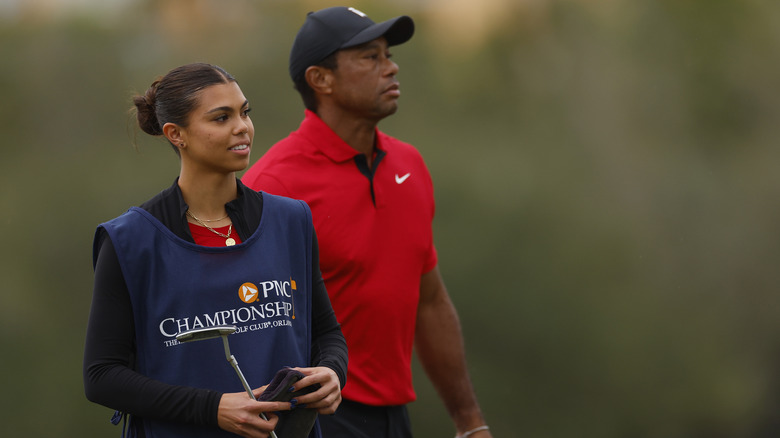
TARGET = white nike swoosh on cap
(401,179)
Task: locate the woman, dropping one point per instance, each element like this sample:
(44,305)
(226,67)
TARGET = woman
(208,251)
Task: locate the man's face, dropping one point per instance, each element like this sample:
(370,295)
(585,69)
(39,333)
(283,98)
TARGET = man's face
(364,81)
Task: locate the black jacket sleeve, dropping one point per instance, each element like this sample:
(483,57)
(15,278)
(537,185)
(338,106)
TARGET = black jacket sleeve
(109,352)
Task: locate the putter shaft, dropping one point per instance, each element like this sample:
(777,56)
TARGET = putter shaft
(233,362)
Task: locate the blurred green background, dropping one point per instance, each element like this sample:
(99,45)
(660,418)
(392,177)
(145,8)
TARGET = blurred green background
(606,175)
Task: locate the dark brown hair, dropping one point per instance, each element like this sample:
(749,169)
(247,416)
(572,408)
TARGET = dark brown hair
(171,98)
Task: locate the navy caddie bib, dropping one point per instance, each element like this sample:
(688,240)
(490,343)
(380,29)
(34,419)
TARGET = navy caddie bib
(262,286)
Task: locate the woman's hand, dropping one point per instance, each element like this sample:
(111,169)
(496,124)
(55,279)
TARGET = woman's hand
(240,414)
(326,399)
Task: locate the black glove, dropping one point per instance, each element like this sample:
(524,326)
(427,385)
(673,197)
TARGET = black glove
(298,422)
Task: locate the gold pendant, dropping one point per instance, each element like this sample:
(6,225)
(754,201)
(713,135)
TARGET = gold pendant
(230,241)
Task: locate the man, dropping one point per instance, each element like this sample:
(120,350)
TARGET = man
(372,201)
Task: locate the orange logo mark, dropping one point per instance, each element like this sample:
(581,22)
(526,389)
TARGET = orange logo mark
(293,287)
(248,293)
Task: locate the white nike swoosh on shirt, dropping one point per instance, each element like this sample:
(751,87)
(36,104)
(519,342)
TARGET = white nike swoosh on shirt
(401,179)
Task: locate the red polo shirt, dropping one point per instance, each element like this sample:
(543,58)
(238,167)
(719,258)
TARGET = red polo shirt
(375,238)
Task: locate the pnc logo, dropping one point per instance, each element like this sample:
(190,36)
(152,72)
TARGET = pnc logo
(248,293)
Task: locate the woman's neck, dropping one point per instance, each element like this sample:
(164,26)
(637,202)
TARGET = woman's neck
(206,196)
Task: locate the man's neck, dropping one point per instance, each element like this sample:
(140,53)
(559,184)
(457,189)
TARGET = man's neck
(360,134)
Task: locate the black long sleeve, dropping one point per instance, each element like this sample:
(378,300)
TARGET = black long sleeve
(109,378)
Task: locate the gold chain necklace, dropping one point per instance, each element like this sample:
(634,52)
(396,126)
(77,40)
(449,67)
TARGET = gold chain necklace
(211,220)
(229,241)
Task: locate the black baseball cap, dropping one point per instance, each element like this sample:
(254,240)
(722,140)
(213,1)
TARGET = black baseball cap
(332,29)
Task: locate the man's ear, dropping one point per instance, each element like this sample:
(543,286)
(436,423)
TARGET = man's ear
(174,134)
(320,79)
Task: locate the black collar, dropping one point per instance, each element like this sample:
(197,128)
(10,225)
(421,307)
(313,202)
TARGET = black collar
(169,207)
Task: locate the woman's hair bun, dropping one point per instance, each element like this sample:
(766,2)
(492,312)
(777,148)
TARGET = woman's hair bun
(146,110)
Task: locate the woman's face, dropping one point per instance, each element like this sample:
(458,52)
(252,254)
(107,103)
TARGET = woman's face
(219,135)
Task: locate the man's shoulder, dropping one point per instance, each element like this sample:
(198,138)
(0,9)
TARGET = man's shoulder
(393,145)
(279,164)
(390,141)
(292,147)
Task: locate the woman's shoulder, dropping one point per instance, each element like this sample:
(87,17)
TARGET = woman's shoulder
(285,202)
(165,204)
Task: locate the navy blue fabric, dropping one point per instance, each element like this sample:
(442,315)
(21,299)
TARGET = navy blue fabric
(262,286)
